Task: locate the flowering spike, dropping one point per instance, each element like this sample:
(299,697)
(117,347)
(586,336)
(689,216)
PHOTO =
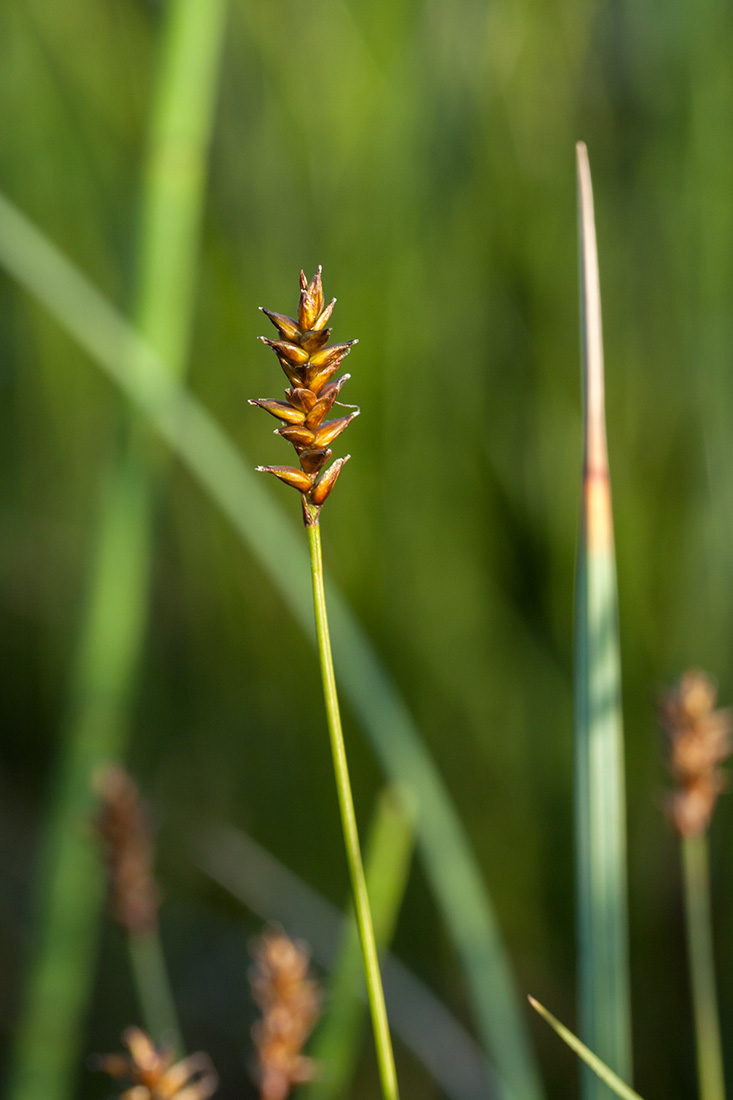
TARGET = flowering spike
(154,1074)
(698,742)
(289,1002)
(309,362)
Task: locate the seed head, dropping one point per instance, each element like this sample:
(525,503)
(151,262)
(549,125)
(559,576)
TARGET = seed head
(309,363)
(122,823)
(698,742)
(155,1075)
(290,1004)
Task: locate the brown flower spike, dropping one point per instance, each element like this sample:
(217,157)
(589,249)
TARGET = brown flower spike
(310,363)
(698,742)
(124,829)
(155,1075)
(290,1003)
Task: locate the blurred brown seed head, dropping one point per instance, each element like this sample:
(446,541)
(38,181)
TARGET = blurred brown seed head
(154,1074)
(698,739)
(289,1002)
(122,823)
(309,363)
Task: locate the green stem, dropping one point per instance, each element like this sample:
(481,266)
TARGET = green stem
(154,991)
(696,876)
(378,1009)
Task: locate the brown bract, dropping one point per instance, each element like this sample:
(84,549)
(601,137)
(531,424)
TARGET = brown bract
(309,363)
(289,1002)
(155,1075)
(698,742)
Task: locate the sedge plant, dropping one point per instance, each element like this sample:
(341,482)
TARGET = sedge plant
(310,363)
(698,740)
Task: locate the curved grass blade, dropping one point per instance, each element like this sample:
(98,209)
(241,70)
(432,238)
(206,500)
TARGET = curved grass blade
(194,436)
(113,627)
(423,1023)
(599,1068)
(600,825)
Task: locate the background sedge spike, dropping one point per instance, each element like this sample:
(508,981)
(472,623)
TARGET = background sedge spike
(309,363)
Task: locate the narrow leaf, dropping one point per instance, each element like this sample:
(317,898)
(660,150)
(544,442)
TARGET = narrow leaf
(600,825)
(599,1068)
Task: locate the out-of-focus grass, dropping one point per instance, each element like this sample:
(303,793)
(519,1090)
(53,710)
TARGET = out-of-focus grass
(105,672)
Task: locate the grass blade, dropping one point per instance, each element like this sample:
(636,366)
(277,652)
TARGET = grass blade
(113,628)
(422,1022)
(599,1068)
(389,851)
(228,479)
(600,825)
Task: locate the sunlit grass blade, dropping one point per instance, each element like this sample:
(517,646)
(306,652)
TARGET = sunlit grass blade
(388,854)
(600,825)
(113,627)
(423,1023)
(218,466)
(599,1068)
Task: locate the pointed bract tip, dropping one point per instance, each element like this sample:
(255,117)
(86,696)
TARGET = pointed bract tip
(532,1001)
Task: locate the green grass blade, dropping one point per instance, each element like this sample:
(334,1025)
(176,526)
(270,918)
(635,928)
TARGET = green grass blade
(599,1068)
(600,825)
(213,460)
(113,628)
(236,862)
(388,854)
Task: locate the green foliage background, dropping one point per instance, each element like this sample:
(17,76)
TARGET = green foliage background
(423,153)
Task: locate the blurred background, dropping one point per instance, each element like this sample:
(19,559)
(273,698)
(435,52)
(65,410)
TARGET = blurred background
(422,151)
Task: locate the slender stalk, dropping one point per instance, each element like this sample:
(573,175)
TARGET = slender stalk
(389,849)
(696,878)
(382,1040)
(154,991)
